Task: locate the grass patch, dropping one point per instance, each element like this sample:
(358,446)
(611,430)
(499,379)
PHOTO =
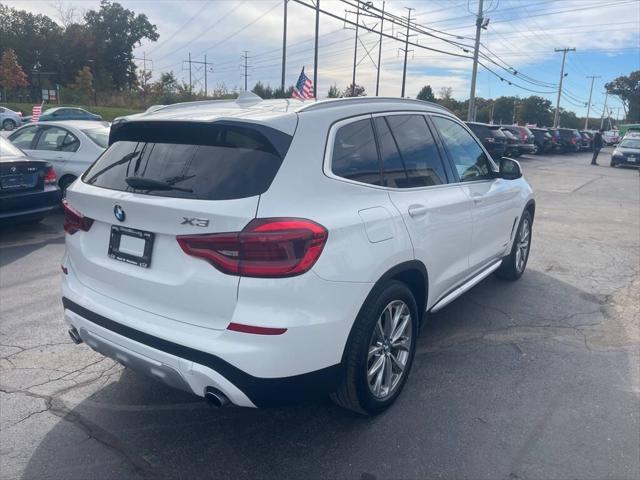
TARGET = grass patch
(107,113)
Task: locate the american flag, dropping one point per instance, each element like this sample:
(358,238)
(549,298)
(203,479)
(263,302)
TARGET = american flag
(304,88)
(35,113)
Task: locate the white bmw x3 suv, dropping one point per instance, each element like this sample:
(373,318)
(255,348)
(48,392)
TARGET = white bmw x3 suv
(261,252)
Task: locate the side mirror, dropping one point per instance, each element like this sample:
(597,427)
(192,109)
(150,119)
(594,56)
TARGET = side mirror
(509,169)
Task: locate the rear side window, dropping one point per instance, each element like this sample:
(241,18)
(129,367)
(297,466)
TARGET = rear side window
(354,153)
(410,157)
(191,160)
(24,137)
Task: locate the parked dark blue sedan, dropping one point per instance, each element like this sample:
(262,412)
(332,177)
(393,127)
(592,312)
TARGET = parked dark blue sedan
(28,187)
(65,113)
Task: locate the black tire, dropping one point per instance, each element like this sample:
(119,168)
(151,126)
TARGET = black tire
(511,267)
(612,163)
(354,392)
(9,124)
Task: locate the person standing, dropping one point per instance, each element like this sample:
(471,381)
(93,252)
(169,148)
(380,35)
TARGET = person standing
(597,146)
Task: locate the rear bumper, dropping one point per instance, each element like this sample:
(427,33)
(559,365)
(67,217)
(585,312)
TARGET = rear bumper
(251,370)
(29,204)
(620,160)
(527,147)
(190,369)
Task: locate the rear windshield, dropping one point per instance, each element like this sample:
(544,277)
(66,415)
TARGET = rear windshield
(7,149)
(190,160)
(99,136)
(630,143)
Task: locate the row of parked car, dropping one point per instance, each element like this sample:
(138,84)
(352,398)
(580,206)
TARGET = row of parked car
(515,140)
(38,161)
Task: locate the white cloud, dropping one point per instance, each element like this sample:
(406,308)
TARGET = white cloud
(517,33)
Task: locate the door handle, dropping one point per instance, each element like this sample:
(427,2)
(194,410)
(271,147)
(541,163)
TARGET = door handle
(477,198)
(417,210)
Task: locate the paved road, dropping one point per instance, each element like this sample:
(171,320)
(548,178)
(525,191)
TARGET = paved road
(533,379)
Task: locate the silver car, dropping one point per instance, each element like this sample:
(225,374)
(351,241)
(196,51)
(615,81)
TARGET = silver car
(9,119)
(71,146)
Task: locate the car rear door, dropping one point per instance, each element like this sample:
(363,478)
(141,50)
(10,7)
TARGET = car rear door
(437,213)
(494,206)
(57,145)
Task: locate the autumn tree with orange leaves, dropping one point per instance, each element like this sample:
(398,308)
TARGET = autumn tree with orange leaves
(11,74)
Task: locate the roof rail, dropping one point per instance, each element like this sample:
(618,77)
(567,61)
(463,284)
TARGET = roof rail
(336,102)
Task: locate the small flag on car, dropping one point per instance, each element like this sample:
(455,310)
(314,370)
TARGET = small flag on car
(304,88)
(35,113)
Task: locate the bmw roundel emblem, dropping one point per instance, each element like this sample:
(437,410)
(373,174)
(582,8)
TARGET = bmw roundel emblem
(119,213)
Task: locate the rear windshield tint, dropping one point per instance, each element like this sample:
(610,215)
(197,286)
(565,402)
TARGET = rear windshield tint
(193,160)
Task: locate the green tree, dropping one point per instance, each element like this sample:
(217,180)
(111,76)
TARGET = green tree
(78,45)
(354,90)
(35,39)
(84,81)
(165,89)
(12,76)
(570,120)
(287,93)
(426,94)
(446,99)
(334,92)
(503,110)
(535,110)
(117,31)
(627,88)
(263,91)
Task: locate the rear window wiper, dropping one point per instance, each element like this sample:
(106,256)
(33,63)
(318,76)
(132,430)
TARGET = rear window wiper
(149,184)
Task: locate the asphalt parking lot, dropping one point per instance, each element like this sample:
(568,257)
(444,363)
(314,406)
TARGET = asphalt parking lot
(534,379)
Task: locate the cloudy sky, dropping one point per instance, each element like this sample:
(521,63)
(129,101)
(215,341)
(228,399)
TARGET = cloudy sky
(521,35)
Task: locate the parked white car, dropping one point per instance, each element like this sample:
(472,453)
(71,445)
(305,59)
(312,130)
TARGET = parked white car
(70,146)
(260,252)
(9,119)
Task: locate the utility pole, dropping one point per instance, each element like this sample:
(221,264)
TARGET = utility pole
(205,75)
(406,50)
(144,61)
(207,65)
(471,114)
(190,83)
(380,50)
(355,53)
(315,54)
(284,46)
(556,118)
(606,96)
(245,75)
(515,109)
(586,120)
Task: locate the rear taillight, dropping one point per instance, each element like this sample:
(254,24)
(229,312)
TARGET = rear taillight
(266,247)
(50,176)
(573,140)
(74,220)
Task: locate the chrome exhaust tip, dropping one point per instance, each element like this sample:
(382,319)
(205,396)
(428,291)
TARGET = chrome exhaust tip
(75,336)
(215,398)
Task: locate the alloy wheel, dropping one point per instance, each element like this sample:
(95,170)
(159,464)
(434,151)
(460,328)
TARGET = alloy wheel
(522,247)
(389,349)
